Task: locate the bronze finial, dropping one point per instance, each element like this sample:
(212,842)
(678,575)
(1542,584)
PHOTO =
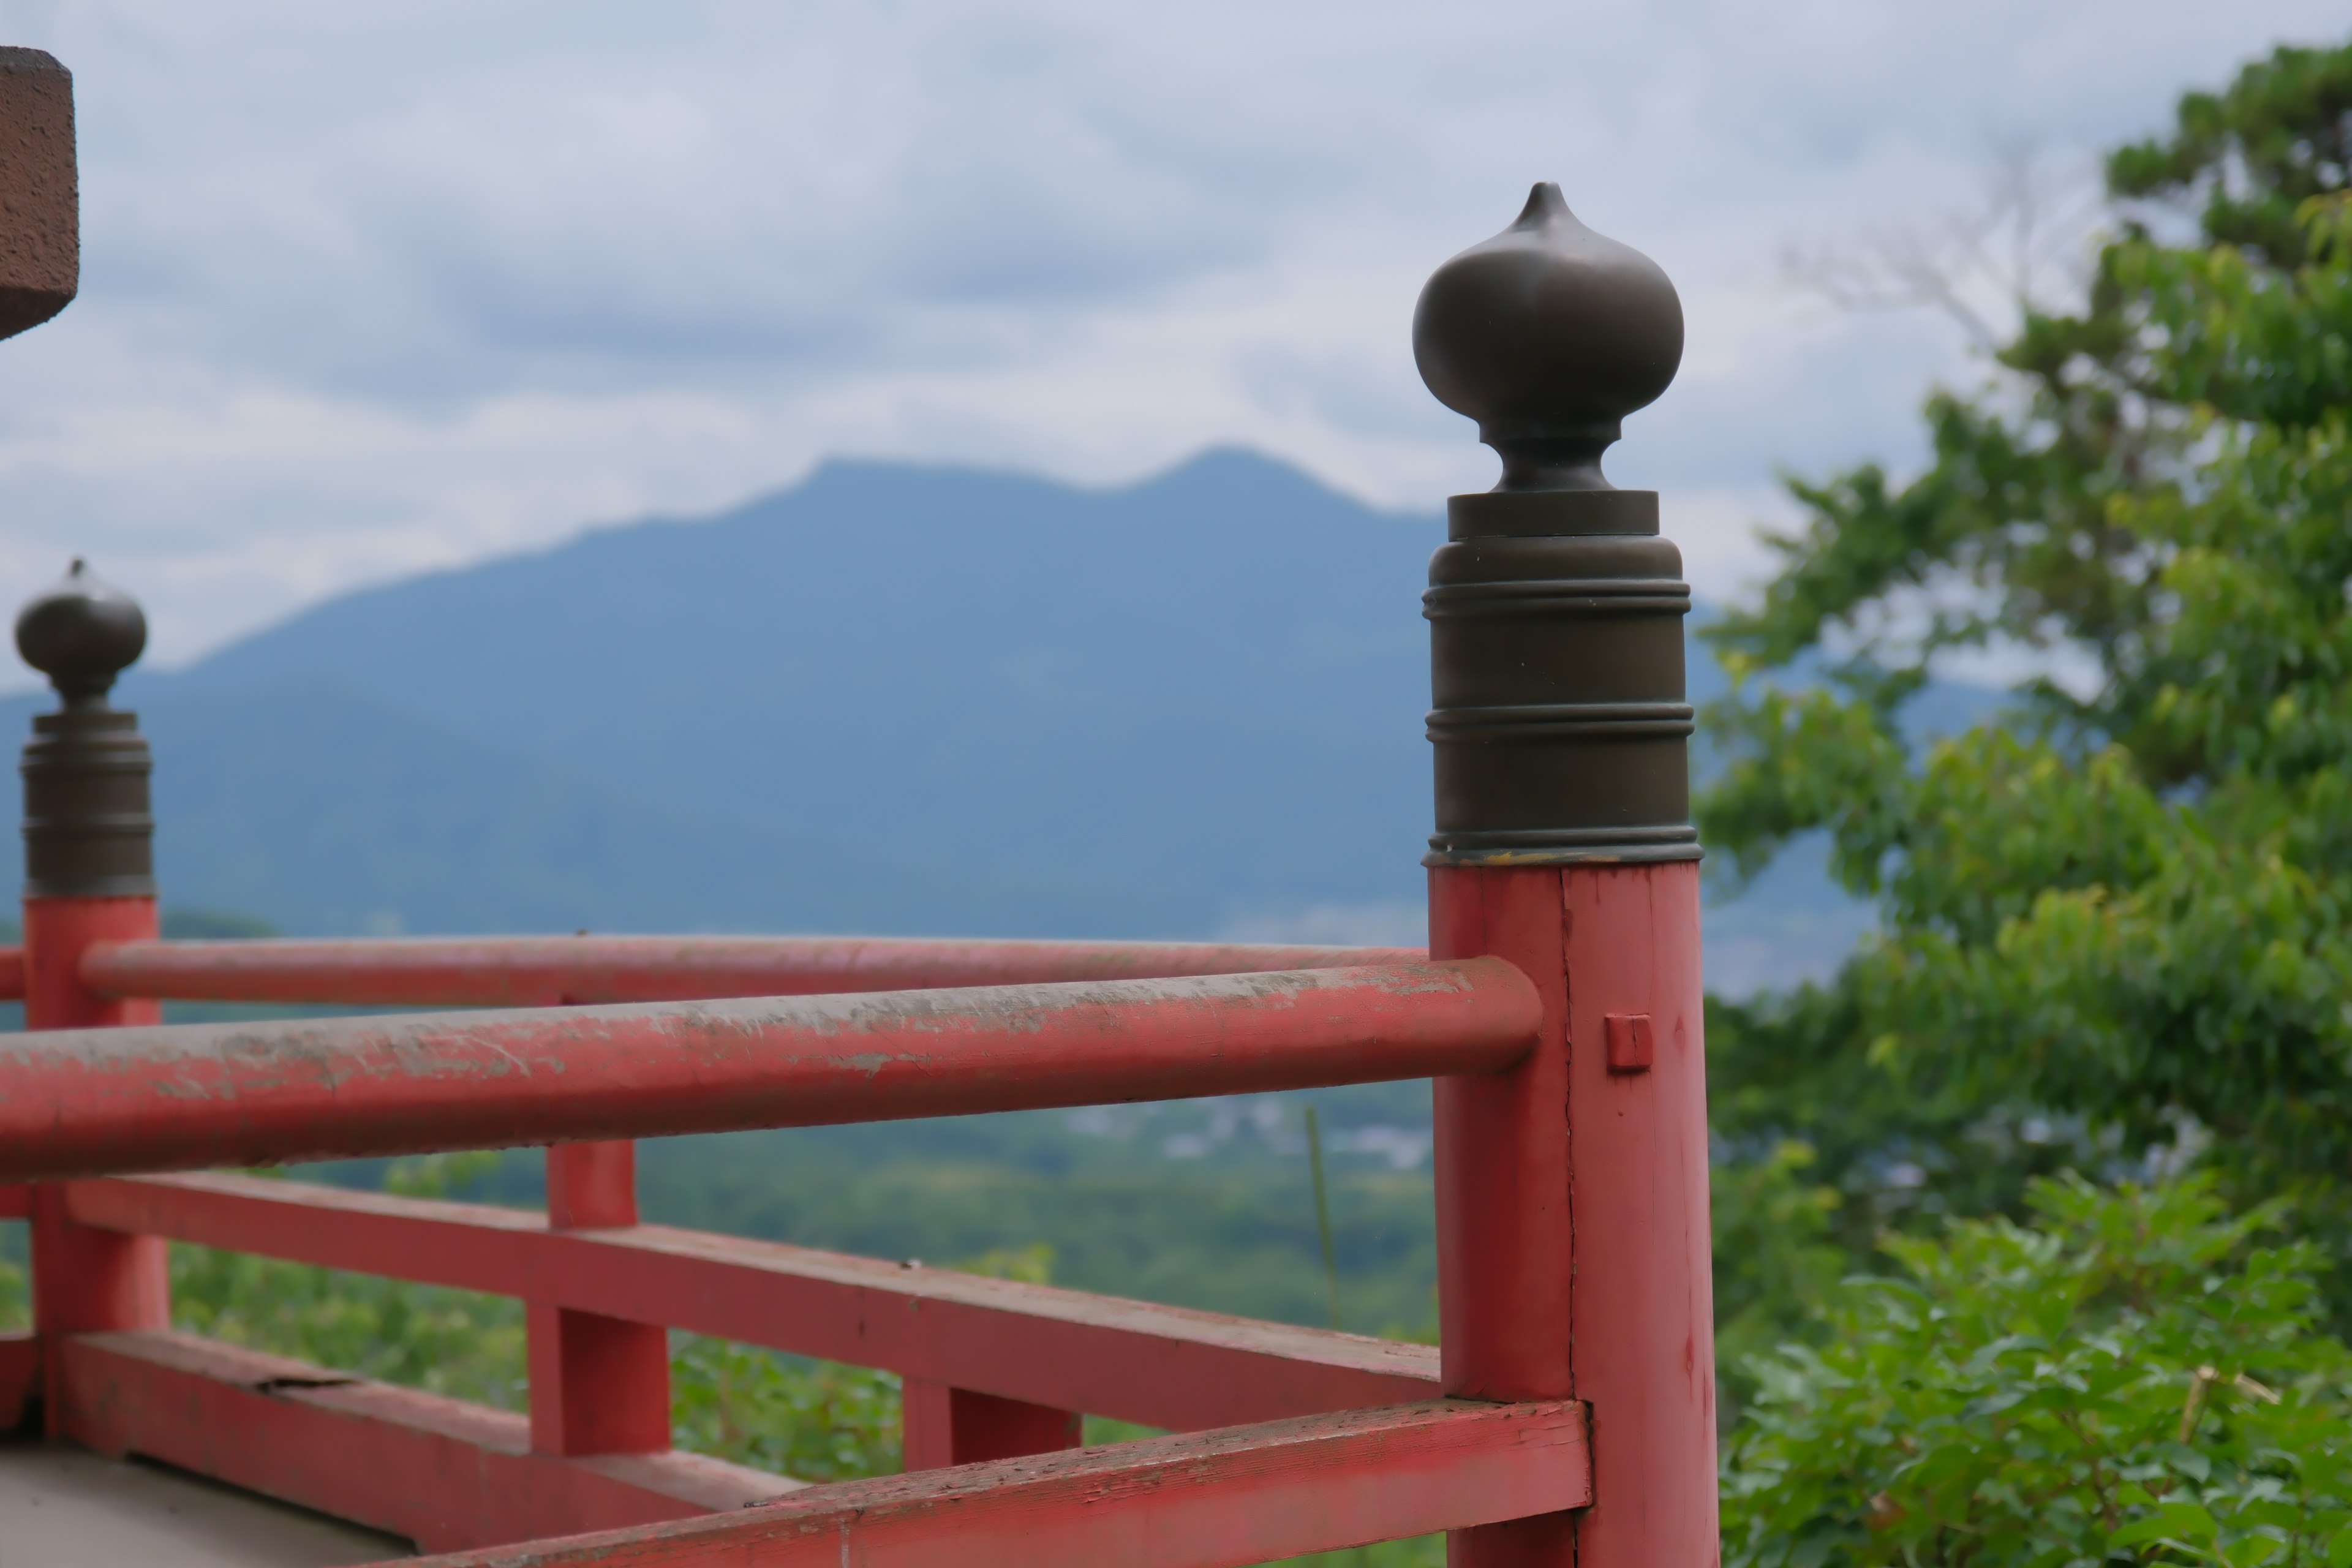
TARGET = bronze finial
(1549,334)
(88,829)
(81,634)
(1556,610)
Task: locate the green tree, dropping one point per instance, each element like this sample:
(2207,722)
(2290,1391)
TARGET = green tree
(2115,915)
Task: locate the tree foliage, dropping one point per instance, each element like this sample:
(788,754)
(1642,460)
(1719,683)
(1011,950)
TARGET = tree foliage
(2130,1378)
(2125,901)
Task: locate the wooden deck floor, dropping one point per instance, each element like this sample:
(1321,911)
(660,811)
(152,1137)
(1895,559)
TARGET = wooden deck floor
(63,1508)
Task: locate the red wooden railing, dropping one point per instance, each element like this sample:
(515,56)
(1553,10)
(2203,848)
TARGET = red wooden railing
(993,1367)
(1566,1416)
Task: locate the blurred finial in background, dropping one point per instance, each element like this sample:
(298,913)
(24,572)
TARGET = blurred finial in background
(89,830)
(81,634)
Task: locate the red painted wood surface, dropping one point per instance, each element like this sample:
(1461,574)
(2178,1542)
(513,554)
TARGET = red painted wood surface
(1645,1309)
(16,1202)
(83,1279)
(1505,1263)
(598,1385)
(941,1425)
(20,1380)
(1212,1500)
(1573,1217)
(591,1186)
(1171,1367)
(169,1097)
(442,1472)
(546,972)
(12,973)
(57,932)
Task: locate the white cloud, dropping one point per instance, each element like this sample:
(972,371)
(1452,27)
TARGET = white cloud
(376,287)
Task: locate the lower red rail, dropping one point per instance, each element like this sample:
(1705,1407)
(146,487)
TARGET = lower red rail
(1171,1367)
(1210,1499)
(443,1472)
(548,971)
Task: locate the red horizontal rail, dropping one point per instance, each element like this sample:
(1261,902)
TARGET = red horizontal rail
(548,971)
(443,1472)
(1210,1499)
(1171,1367)
(12,973)
(158,1097)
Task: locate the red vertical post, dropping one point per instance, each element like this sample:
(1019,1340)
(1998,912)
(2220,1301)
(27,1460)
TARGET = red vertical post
(598,1385)
(1573,1245)
(85,1281)
(1505,1259)
(1573,1248)
(941,1425)
(89,877)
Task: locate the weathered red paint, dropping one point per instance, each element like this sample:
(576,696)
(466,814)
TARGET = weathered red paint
(598,1385)
(547,972)
(1212,1500)
(12,973)
(1573,1218)
(85,1281)
(941,1425)
(1171,1367)
(193,1095)
(444,1473)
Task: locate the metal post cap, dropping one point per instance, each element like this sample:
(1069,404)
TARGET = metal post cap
(1558,719)
(81,634)
(1549,334)
(89,829)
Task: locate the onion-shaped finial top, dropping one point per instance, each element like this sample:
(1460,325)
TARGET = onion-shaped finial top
(1549,334)
(81,634)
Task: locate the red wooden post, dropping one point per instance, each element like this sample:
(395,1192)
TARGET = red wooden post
(598,1385)
(88,879)
(1573,1248)
(940,1426)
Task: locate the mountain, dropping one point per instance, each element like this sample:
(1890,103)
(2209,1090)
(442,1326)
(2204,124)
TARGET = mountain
(892,699)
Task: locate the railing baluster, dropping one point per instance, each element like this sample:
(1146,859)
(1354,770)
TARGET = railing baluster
(598,1385)
(941,1425)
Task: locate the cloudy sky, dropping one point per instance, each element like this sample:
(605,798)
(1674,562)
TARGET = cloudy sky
(372,287)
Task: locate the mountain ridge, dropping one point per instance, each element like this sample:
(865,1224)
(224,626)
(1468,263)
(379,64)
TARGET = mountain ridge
(890,698)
